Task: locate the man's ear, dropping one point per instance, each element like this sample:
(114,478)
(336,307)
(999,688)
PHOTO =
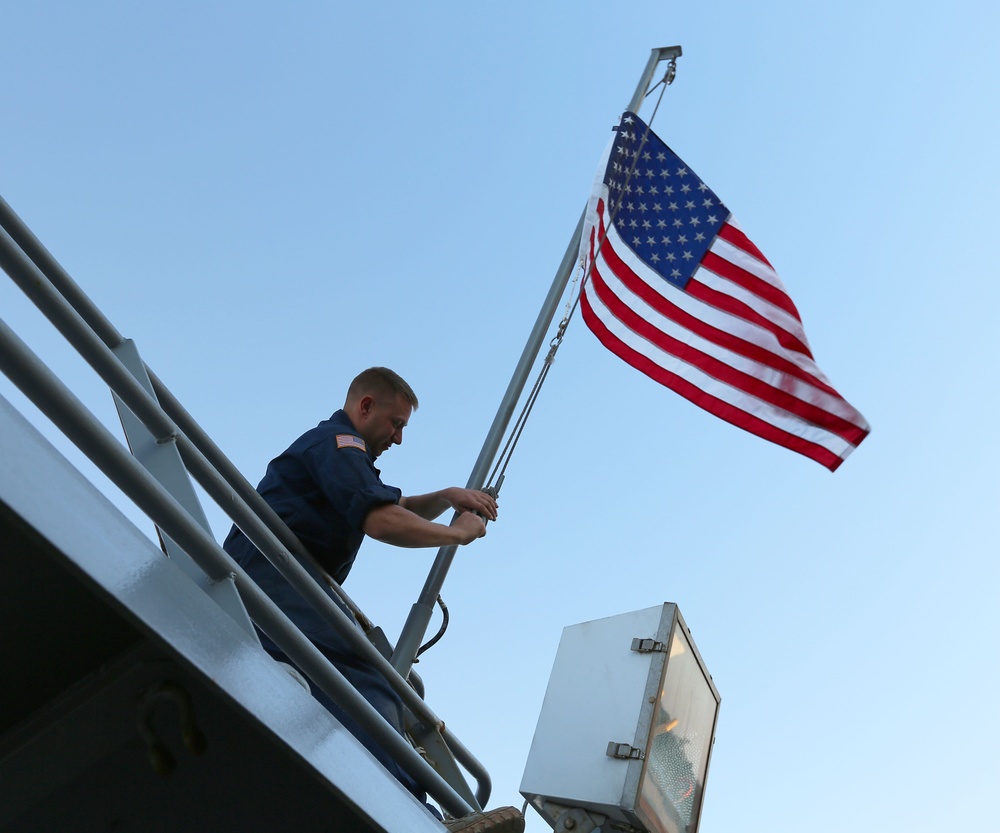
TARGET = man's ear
(365,405)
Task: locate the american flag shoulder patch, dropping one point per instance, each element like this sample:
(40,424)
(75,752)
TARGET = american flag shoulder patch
(350,441)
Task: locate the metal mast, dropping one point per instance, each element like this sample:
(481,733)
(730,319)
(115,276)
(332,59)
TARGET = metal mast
(420,614)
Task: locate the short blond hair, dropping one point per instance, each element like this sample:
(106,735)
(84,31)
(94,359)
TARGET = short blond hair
(378,382)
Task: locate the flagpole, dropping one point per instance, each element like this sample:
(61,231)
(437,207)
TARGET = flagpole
(420,614)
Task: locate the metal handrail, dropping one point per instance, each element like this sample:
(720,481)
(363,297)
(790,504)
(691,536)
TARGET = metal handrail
(74,315)
(99,325)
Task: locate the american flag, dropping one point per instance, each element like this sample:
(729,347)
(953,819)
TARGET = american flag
(678,291)
(350,441)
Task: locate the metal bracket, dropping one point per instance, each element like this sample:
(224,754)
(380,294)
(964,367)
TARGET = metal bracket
(625,752)
(430,743)
(162,459)
(572,819)
(648,646)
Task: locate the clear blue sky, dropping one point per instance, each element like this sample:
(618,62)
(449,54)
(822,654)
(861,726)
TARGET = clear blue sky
(269,199)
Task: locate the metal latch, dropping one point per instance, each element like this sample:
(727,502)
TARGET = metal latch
(625,752)
(648,646)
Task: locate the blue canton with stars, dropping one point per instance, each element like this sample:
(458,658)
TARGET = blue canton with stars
(659,206)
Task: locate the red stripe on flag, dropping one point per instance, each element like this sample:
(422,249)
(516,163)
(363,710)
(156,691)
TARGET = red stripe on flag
(750,282)
(717,369)
(727,303)
(724,338)
(721,409)
(733,235)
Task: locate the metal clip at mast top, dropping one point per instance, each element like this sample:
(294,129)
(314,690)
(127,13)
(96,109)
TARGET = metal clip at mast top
(664,53)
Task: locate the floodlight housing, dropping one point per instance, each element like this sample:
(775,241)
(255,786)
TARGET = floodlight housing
(627,725)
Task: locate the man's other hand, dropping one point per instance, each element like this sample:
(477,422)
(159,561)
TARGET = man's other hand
(469,526)
(472,500)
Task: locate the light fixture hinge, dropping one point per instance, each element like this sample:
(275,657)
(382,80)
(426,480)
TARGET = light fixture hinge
(648,646)
(625,752)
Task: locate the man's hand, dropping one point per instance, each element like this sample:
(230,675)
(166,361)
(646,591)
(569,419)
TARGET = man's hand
(396,525)
(471,500)
(469,526)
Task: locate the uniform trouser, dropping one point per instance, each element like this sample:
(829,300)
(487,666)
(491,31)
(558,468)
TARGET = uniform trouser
(373,686)
(368,681)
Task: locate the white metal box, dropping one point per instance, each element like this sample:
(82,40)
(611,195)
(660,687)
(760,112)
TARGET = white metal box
(627,724)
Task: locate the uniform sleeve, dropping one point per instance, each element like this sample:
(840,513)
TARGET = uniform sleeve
(348,480)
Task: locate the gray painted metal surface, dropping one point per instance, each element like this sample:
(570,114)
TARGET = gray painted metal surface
(49,394)
(105,616)
(84,326)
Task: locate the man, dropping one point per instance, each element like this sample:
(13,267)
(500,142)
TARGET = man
(326,488)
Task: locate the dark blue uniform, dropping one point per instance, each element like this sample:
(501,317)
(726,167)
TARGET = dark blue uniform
(322,487)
